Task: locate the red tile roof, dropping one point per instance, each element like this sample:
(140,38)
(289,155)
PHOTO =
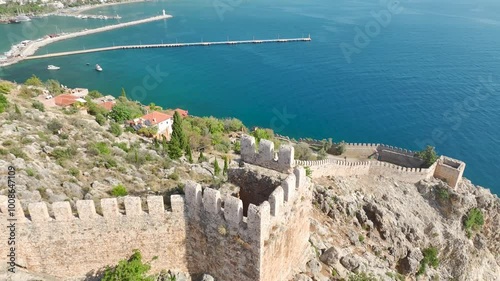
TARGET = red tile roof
(108,105)
(65,100)
(156,117)
(182,112)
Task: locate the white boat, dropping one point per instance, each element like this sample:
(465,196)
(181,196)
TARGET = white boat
(22,18)
(53,67)
(98,68)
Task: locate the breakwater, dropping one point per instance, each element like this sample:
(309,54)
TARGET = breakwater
(170,45)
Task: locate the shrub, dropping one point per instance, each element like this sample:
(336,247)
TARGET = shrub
(30,172)
(119,190)
(232,125)
(308,171)
(430,258)
(362,277)
(19,153)
(428,155)
(237,147)
(340,149)
(259,134)
(33,81)
(174,176)
(62,154)
(102,148)
(94,94)
(474,221)
(442,193)
(100,119)
(38,105)
(361,238)
(115,129)
(123,146)
(74,171)
(132,269)
(3,103)
(303,152)
(5,88)
(54,126)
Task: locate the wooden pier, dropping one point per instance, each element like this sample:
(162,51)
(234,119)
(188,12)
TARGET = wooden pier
(169,45)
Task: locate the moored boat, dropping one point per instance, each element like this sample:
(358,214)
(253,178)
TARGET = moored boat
(53,67)
(98,68)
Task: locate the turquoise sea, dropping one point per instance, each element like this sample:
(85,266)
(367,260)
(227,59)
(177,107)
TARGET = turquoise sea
(430,74)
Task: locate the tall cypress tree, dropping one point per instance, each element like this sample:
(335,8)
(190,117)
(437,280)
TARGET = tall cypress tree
(188,153)
(226,165)
(216,167)
(178,141)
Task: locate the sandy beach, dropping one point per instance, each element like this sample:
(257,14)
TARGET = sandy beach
(33,46)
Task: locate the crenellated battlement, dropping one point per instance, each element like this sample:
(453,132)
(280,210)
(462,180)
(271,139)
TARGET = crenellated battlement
(86,209)
(265,157)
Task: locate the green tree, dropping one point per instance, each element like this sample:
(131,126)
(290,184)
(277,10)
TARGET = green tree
(132,269)
(3,103)
(303,151)
(266,134)
(428,155)
(226,165)
(216,167)
(33,81)
(189,153)
(54,87)
(94,94)
(178,141)
(123,94)
(120,113)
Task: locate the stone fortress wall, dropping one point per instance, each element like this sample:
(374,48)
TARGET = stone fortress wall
(65,245)
(393,162)
(203,233)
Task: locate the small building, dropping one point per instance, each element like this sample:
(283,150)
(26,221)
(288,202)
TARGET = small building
(161,120)
(182,112)
(108,105)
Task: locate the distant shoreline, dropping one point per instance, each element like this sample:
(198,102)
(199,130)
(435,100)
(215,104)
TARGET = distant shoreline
(90,7)
(34,45)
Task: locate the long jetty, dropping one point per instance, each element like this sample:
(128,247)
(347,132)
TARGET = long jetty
(169,45)
(33,46)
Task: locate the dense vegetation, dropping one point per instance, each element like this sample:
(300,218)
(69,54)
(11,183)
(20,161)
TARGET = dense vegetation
(13,8)
(429,156)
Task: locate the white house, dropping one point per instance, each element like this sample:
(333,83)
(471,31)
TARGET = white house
(161,120)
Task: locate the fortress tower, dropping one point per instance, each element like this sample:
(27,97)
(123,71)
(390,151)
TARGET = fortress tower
(263,235)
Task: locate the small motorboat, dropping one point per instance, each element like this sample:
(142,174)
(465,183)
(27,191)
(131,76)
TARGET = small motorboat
(98,68)
(53,67)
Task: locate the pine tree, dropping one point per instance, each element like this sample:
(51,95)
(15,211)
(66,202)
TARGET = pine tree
(226,165)
(216,167)
(178,141)
(189,154)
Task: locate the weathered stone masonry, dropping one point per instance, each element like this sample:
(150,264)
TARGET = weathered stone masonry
(203,233)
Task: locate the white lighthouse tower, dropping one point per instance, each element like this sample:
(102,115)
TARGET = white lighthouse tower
(163,12)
